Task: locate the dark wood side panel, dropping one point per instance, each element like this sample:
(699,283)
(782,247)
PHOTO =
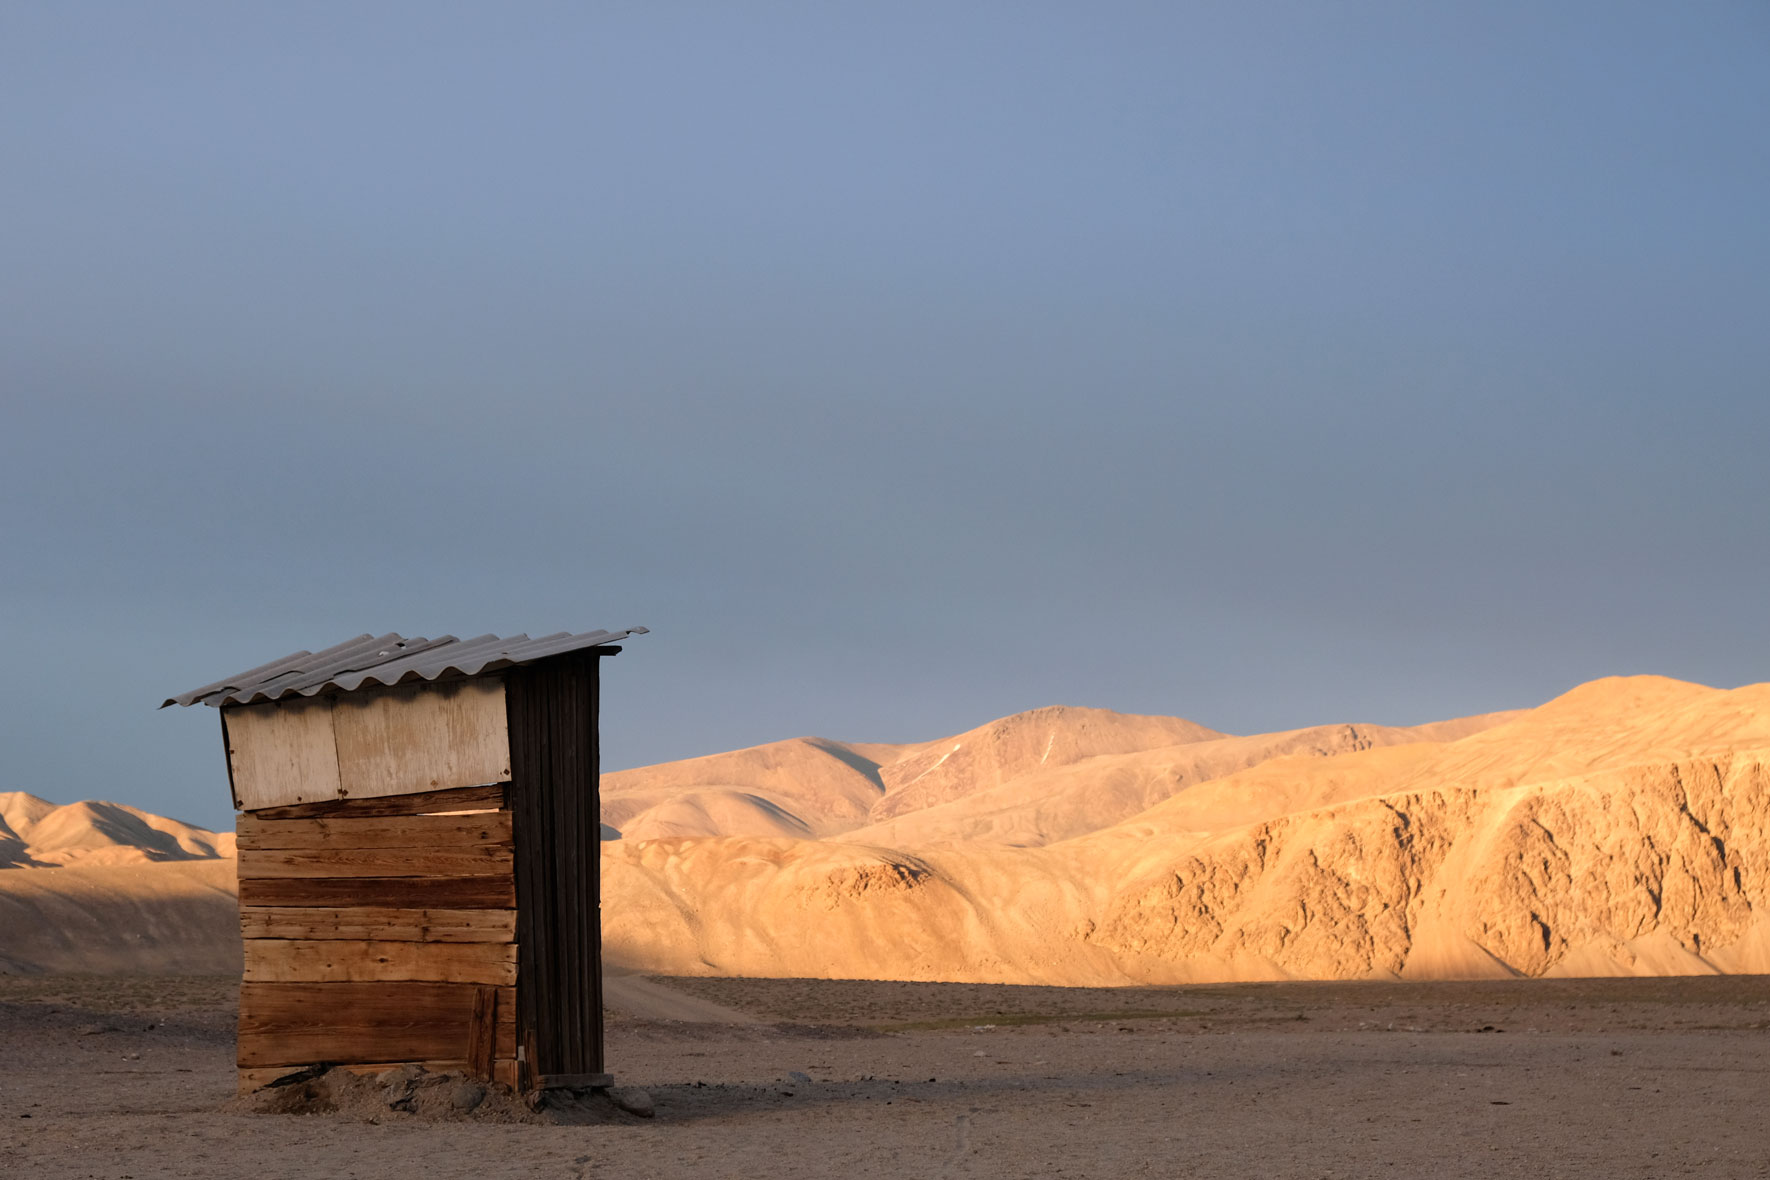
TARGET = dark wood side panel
(344,1023)
(554,765)
(461,893)
(427,803)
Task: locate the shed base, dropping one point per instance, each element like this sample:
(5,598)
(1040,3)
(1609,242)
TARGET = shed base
(575,1081)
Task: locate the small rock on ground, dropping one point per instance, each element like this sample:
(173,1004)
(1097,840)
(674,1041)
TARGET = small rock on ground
(634,1101)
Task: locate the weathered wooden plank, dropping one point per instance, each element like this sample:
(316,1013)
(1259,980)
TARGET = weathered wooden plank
(378,922)
(477,860)
(530,1051)
(304,1047)
(282,752)
(490,795)
(482,1040)
(280,960)
(440,832)
(461,893)
(258,1077)
(421,737)
(345,1023)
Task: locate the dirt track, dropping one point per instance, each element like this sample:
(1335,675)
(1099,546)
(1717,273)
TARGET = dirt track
(1576,1078)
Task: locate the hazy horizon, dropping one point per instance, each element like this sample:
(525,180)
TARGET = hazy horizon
(1266,365)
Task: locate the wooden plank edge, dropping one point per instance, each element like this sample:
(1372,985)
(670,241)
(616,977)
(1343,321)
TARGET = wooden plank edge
(490,797)
(327,864)
(483,1033)
(497,892)
(434,831)
(378,924)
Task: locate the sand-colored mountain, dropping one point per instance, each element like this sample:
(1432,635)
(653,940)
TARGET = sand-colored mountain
(1025,780)
(1046,803)
(1621,828)
(822,788)
(1014,749)
(35,833)
(806,786)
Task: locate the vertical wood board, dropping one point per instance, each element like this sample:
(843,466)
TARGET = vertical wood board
(482,1039)
(553,741)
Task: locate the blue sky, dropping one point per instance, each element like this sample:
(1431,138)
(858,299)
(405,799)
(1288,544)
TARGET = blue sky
(901,366)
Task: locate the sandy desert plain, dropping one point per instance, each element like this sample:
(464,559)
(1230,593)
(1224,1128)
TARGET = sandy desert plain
(1067,943)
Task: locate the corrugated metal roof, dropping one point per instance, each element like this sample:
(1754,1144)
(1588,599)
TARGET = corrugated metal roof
(369,660)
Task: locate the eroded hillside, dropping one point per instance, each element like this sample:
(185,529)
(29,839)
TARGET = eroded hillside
(1618,829)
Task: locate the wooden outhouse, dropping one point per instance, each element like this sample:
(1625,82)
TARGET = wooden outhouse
(419,847)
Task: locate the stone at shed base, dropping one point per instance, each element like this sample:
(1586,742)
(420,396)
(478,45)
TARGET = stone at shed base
(466,1095)
(400,1085)
(400,1093)
(634,1101)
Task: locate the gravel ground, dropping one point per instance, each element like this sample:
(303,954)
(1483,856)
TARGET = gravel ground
(133,1079)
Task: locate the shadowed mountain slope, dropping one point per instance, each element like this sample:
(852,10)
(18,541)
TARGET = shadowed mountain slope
(169,917)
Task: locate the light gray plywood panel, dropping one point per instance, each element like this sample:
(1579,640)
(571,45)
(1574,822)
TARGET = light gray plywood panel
(421,738)
(282,753)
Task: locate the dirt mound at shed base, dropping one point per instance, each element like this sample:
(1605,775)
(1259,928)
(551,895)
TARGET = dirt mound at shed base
(411,1093)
